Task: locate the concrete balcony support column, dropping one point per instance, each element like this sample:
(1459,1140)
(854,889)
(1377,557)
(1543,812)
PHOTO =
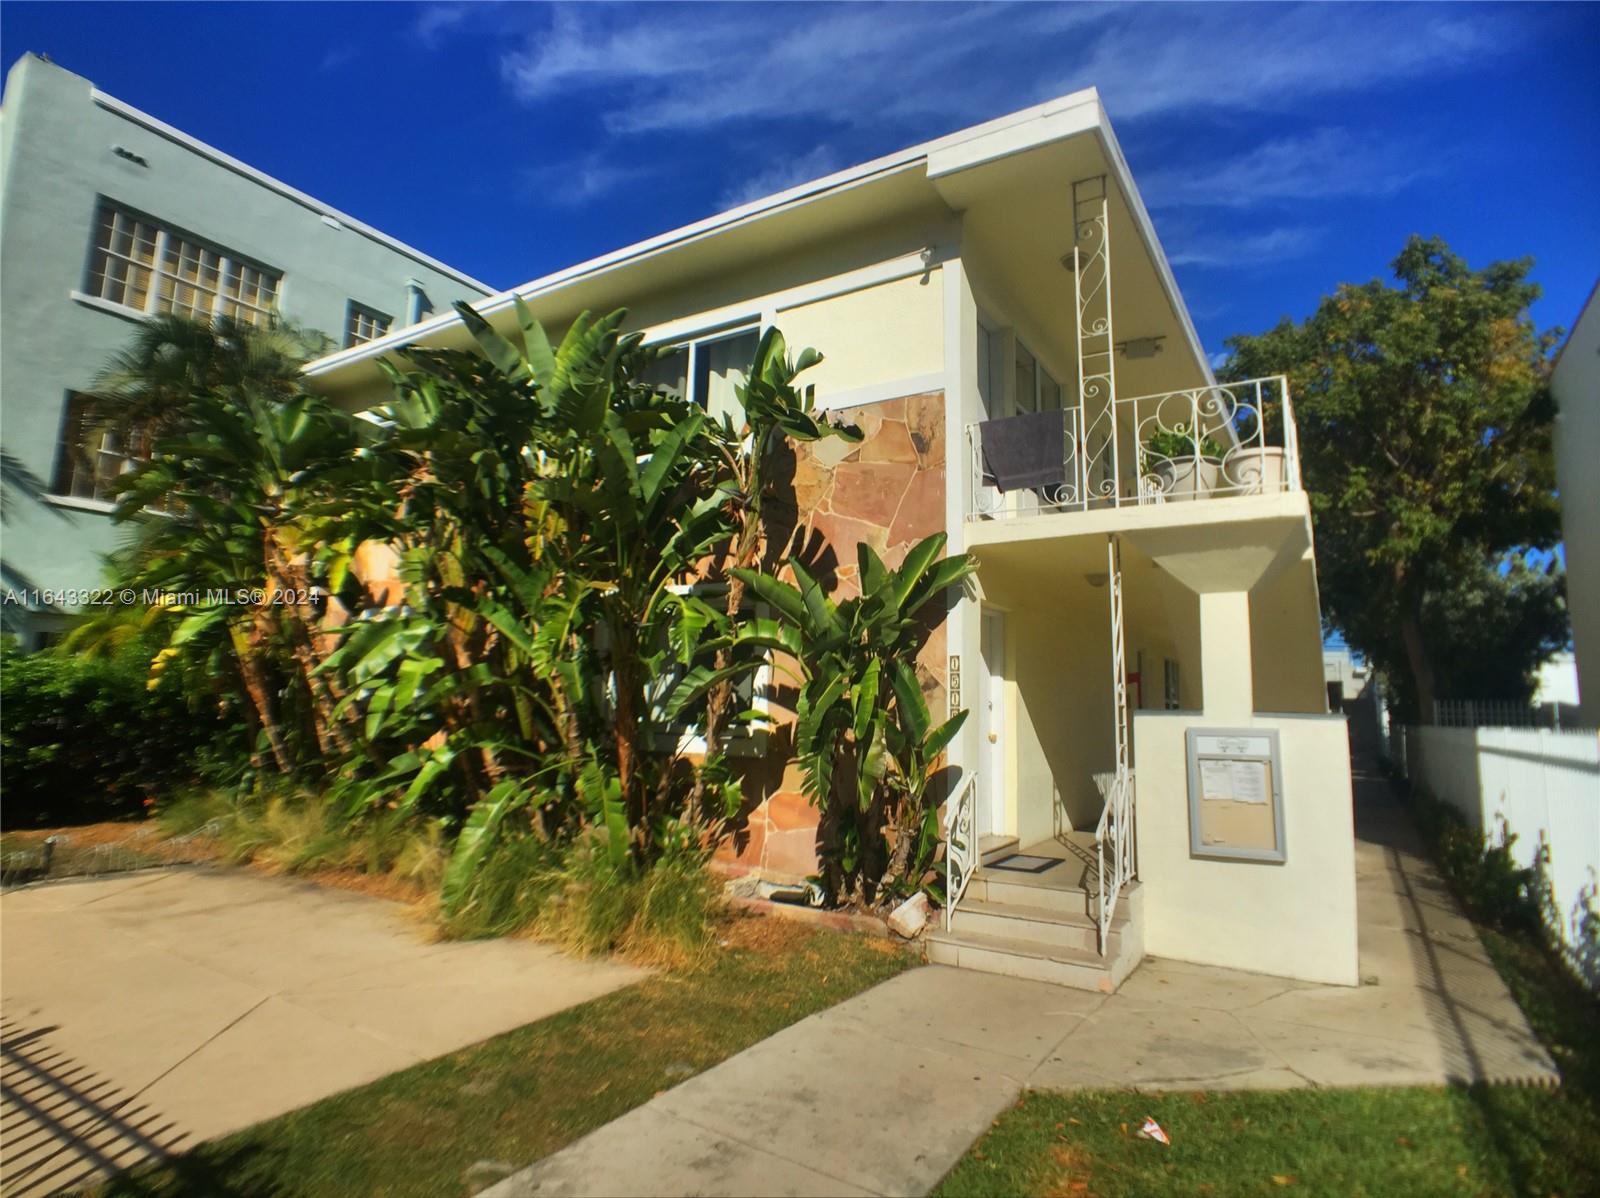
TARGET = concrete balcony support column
(1226,677)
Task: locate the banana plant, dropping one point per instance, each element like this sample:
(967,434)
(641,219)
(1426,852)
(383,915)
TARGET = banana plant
(777,413)
(864,738)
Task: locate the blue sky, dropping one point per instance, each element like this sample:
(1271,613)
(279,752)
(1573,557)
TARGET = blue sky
(1283,149)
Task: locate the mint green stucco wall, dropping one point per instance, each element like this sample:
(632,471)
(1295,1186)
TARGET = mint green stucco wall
(56,161)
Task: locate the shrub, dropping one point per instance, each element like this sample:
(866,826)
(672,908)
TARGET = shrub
(662,914)
(88,739)
(1484,874)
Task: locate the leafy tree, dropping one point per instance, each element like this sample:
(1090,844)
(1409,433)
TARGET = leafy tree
(1493,624)
(1425,439)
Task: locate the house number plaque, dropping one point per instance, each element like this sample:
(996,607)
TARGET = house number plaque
(953,685)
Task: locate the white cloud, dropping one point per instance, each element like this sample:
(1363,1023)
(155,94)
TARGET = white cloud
(434,20)
(1324,163)
(813,164)
(691,67)
(573,184)
(1243,251)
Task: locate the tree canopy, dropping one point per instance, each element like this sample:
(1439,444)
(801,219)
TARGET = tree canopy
(1425,426)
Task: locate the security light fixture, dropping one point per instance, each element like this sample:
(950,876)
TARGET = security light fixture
(1141,347)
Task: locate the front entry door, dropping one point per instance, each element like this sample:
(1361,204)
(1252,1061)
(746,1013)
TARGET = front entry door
(991,726)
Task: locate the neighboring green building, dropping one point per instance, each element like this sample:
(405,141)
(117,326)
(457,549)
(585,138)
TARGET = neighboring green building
(108,215)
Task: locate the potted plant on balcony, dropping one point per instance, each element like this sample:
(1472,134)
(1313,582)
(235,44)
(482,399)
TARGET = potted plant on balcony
(1179,465)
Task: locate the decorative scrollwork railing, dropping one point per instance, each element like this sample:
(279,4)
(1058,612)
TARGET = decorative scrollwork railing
(1113,850)
(1113,834)
(1213,442)
(961,844)
(1216,441)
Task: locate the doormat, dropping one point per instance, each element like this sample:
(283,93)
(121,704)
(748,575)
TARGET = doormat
(1022,863)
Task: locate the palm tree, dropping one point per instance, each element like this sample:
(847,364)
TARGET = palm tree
(172,358)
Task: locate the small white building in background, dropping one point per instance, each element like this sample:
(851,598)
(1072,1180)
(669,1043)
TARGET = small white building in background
(1576,384)
(1558,682)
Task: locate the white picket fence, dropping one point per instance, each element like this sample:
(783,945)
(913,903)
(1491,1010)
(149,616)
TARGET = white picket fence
(1545,785)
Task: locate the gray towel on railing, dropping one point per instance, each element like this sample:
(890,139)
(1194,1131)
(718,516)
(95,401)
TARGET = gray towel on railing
(1023,452)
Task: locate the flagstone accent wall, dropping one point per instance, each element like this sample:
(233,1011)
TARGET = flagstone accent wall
(887,491)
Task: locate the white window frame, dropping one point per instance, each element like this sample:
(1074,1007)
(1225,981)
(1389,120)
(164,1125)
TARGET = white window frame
(75,458)
(694,341)
(227,264)
(355,313)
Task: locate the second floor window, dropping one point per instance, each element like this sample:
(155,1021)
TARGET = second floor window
(715,366)
(364,324)
(150,268)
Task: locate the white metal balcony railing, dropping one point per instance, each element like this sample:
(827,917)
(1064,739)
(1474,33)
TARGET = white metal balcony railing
(1205,443)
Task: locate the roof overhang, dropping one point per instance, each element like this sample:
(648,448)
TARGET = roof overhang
(951,173)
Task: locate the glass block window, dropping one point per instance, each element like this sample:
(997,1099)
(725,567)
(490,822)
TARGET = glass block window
(364,324)
(145,266)
(92,456)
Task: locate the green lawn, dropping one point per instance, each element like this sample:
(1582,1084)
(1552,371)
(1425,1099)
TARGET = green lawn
(1483,1140)
(523,1095)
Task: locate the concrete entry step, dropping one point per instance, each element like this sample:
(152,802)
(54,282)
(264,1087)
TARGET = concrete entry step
(1042,933)
(992,848)
(1076,968)
(1074,930)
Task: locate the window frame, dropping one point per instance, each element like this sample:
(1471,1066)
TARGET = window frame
(356,311)
(692,342)
(216,269)
(75,458)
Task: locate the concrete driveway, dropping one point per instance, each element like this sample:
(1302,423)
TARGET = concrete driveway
(155,1010)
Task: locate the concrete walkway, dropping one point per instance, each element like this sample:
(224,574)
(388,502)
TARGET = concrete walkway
(150,1011)
(884,1093)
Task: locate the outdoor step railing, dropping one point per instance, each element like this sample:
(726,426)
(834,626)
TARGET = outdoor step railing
(1113,851)
(961,844)
(1211,442)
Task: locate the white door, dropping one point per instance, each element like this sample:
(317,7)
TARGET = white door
(991,726)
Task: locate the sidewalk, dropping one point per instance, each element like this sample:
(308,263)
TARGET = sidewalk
(884,1093)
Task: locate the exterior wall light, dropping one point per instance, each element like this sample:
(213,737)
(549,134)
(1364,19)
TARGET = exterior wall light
(1141,347)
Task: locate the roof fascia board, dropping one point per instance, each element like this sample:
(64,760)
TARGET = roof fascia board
(1075,114)
(161,128)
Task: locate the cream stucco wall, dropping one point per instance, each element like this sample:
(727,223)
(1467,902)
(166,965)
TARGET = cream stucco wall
(1286,641)
(878,335)
(1297,919)
(1059,694)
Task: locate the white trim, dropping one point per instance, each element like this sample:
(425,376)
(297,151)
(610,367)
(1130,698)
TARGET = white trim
(102,506)
(161,128)
(110,307)
(855,397)
(959,631)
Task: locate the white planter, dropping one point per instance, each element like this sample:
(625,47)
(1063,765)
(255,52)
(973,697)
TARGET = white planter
(1185,478)
(1255,472)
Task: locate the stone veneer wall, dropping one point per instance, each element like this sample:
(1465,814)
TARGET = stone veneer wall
(887,491)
